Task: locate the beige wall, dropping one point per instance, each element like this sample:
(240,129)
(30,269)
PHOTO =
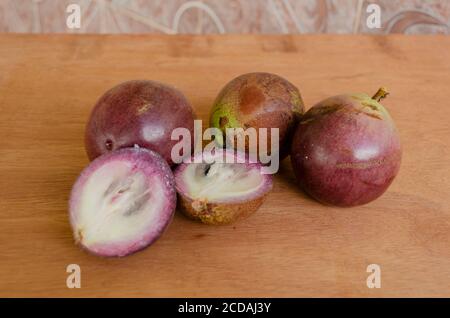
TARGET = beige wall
(228,16)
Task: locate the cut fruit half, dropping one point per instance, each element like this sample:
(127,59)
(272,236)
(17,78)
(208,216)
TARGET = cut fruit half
(122,202)
(218,191)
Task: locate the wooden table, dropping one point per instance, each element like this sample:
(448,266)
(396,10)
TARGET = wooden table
(292,246)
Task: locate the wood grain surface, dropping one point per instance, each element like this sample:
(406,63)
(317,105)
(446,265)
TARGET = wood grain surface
(293,246)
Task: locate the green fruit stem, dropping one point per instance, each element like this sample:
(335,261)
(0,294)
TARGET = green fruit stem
(380,94)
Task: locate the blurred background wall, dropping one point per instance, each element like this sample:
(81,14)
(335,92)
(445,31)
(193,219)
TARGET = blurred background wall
(226,16)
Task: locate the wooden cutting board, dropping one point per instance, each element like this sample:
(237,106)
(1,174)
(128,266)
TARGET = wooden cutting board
(293,246)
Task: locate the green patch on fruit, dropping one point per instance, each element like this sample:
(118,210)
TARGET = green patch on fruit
(223,117)
(297,102)
(360,96)
(366,101)
(370,106)
(143,109)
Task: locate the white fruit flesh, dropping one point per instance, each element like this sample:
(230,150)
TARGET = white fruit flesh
(218,182)
(118,204)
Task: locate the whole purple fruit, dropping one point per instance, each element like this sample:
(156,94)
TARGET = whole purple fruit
(346,150)
(139,112)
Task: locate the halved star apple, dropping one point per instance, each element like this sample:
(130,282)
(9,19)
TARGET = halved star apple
(122,202)
(221,189)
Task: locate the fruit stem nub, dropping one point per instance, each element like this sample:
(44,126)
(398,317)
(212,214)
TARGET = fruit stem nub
(380,94)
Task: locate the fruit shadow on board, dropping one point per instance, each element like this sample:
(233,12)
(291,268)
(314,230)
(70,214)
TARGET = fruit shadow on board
(285,176)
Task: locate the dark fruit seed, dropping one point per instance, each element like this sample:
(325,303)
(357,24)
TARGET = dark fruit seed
(109,145)
(111,187)
(207,168)
(137,205)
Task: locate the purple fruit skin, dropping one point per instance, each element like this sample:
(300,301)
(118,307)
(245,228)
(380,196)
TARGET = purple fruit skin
(148,162)
(139,112)
(346,150)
